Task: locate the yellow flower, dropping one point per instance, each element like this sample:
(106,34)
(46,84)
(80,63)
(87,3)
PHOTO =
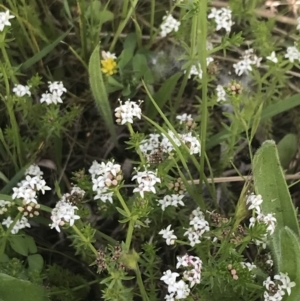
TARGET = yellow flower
(109,66)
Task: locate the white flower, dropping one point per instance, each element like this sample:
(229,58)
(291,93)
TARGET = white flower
(221,93)
(184,118)
(245,65)
(222,18)
(64,212)
(168,235)
(268,283)
(57,87)
(146,181)
(127,111)
(34,170)
(20,224)
(4,19)
(171,200)
(254,201)
(248,265)
(169,277)
(286,282)
(168,25)
(292,53)
(272,57)
(192,143)
(108,55)
(21,90)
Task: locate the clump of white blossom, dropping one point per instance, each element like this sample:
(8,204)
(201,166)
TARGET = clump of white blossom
(168,25)
(248,60)
(127,111)
(192,275)
(253,202)
(197,70)
(171,200)
(21,90)
(292,54)
(198,226)
(4,19)
(146,181)
(222,17)
(64,212)
(168,235)
(53,96)
(221,93)
(104,177)
(278,287)
(160,142)
(27,190)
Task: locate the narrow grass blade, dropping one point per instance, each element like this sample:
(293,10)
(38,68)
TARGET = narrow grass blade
(37,57)
(270,183)
(99,92)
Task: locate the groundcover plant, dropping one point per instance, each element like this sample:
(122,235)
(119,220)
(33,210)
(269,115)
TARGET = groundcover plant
(149,150)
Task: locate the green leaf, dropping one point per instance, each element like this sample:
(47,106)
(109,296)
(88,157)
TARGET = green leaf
(38,56)
(290,260)
(13,289)
(3,177)
(269,112)
(13,182)
(106,16)
(99,92)
(32,248)
(270,183)
(19,244)
(162,95)
(35,262)
(141,68)
(128,50)
(287,148)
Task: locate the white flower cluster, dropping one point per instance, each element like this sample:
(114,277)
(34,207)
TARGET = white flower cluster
(293,54)
(254,201)
(146,181)
(180,289)
(184,118)
(168,25)
(198,227)
(156,143)
(19,225)
(197,70)
(104,177)
(249,266)
(168,235)
(27,189)
(21,90)
(222,17)
(276,288)
(245,65)
(171,200)
(56,90)
(127,111)
(221,93)
(64,212)
(4,19)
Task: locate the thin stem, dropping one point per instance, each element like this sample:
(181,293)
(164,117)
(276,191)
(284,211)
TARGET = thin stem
(83,238)
(74,288)
(82,23)
(201,45)
(131,131)
(141,284)
(125,8)
(129,234)
(152,21)
(122,25)
(119,196)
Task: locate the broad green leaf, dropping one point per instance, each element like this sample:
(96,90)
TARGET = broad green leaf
(141,68)
(13,289)
(99,92)
(290,260)
(269,112)
(287,148)
(105,16)
(162,95)
(35,262)
(19,244)
(270,183)
(128,50)
(38,56)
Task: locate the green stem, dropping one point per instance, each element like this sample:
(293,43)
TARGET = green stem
(202,54)
(74,288)
(125,8)
(119,196)
(82,23)
(122,25)
(83,238)
(141,284)
(152,21)
(131,131)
